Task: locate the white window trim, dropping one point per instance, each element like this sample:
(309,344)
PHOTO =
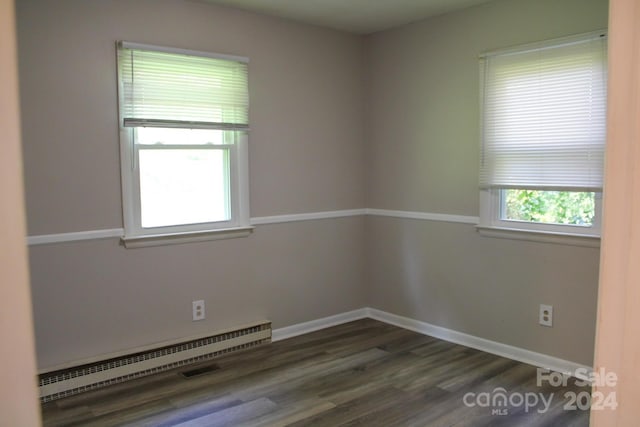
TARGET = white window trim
(492,225)
(133,242)
(135,236)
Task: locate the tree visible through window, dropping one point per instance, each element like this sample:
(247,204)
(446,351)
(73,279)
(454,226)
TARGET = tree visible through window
(552,207)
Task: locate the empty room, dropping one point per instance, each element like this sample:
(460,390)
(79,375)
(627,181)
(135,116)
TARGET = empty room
(340,212)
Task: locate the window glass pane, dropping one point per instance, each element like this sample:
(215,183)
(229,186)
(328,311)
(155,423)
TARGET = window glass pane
(177,136)
(183,187)
(550,207)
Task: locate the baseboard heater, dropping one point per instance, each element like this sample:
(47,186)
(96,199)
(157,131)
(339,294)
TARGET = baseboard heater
(67,382)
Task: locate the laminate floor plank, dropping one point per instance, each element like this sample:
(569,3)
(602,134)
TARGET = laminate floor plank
(279,380)
(363,373)
(221,382)
(291,413)
(172,417)
(233,415)
(125,415)
(408,342)
(56,416)
(354,409)
(403,411)
(365,342)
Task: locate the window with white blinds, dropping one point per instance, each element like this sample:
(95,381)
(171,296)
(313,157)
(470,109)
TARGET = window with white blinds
(544,116)
(543,138)
(183,131)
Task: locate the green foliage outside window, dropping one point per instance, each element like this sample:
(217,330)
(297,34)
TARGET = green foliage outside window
(551,207)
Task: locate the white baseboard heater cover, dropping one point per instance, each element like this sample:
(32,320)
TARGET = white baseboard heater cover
(67,382)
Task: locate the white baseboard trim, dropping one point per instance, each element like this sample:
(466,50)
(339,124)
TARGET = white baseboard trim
(318,324)
(514,353)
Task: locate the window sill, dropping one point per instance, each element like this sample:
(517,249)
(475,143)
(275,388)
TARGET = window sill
(540,236)
(132,242)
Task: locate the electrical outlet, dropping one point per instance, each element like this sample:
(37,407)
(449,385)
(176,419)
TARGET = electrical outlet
(546,315)
(198,310)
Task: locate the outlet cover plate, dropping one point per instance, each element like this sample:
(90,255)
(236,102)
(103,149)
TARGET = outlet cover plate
(198,310)
(546,315)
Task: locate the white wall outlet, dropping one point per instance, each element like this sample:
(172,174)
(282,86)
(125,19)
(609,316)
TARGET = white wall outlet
(546,315)
(198,310)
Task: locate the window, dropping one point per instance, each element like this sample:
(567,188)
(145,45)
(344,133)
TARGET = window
(183,126)
(543,137)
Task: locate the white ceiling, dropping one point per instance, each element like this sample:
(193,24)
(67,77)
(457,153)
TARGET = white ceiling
(355,16)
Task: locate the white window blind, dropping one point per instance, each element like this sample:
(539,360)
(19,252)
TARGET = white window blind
(168,89)
(544,116)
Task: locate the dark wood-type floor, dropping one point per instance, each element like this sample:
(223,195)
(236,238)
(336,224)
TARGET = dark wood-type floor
(363,373)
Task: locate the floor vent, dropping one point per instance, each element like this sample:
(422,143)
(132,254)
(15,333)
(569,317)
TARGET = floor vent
(199,371)
(67,382)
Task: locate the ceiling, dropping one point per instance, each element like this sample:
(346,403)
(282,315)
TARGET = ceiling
(354,16)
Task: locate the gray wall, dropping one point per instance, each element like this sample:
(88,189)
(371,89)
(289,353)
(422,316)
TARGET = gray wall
(422,140)
(92,298)
(338,122)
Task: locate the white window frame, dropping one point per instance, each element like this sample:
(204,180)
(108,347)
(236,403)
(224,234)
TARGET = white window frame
(492,222)
(239,223)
